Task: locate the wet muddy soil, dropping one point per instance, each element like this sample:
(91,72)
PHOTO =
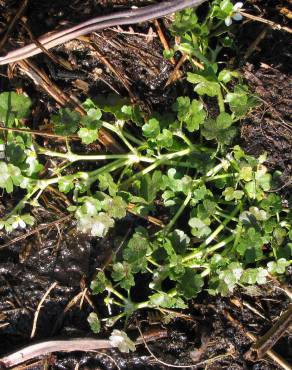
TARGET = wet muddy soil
(213,331)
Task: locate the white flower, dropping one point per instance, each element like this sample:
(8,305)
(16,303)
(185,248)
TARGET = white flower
(235,14)
(122,341)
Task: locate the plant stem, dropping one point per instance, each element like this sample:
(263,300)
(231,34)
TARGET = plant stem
(116,293)
(178,213)
(72,157)
(219,245)
(159,160)
(198,250)
(221,227)
(220,101)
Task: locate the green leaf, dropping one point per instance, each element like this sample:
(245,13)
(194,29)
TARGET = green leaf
(96,225)
(164,300)
(122,273)
(240,101)
(66,121)
(226,75)
(65,185)
(150,185)
(199,228)
(99,284)
(175,182)
(190,284)
(254,276)
(232,275)
(165,139)
(278,267)
(231,194)
(135,252)
(272,203)
(250,245)
(185,20)
(13,106)
(190,113)
(94,322)
(179,241)
(259,214)
(209,88)
(106,182)
(246,173)
(116,207)
(87,136)
(94,114)
(151,129)
(219,129)
(9,175)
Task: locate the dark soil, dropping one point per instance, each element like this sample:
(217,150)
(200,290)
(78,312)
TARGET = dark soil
(28,267)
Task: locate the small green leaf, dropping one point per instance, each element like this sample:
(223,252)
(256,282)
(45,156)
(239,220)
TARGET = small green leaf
(87,136)
(66,121)
(209,88)
(135,252)
(116,207)
(190,284)
(254,276)
(246,173)
(226,75)
(231,194)
(13,106)
(150,185)
(151,129)
(9,175)
(221,129)
(199,228)
(278,267)
(190,113)
(164,300)
(65,185)
(165,139)
(99,284)
(106,182)
(94,322)
(96,225)
(179,241)
(122,273)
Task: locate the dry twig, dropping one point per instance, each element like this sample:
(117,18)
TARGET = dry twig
(273,355)
(268,340)
(273,25)
(36,315)
(13,22)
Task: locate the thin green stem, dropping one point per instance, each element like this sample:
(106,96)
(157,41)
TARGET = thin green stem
(159,160)
(22,202)
(198,250)
(116,293)
(219,245)
(178,213)
(220,101)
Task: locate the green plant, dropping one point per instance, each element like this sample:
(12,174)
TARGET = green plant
(225,228)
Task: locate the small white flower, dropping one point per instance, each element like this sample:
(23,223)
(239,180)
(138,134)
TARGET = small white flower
(235,14)
(122,341)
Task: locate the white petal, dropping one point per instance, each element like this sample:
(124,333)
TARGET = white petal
(238,6)
(237,17)
(21,224)
(228,21)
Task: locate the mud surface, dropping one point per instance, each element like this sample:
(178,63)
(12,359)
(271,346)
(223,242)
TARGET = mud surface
(213,330)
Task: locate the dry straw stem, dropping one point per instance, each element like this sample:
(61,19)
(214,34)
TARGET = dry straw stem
(268,340)
(273,25)
(273,355)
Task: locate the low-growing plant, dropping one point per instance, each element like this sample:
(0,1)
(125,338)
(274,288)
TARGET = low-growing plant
(225,227)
